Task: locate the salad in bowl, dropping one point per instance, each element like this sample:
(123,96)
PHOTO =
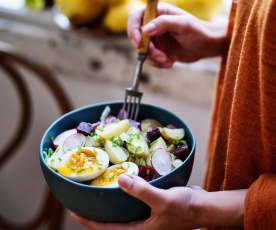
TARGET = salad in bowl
(96,154)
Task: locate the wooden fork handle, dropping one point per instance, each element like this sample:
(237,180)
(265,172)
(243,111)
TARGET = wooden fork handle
(150,13)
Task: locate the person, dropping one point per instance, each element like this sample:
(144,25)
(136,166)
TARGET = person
(241,176)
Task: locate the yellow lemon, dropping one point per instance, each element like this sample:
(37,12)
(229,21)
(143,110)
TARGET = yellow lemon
(111,2)
(81,11)
(116,17)
(173,2)
(203,9)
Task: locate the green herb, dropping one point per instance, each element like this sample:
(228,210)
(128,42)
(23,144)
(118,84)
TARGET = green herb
(183,142)
(101,141)
(99,162)
(138,136)
(100,168)
(117,121)
(52,139)
(73,168)
(104,177)
(153,143)
(111,176)
(142,162)
(120,142)
(52,161)
(128,165)
(116,143)
(50,152)
(101,128)
(137,149)
(92,134)
(177,142)
(151,152)
(148,172)
(80,170)
(130,140)
(59,159)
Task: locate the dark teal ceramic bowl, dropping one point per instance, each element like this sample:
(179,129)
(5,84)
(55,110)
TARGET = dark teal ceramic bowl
(109,204)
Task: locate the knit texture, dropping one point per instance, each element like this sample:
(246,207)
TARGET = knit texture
(242,144)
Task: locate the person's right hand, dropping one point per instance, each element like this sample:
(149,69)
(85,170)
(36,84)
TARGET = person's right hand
(176,36)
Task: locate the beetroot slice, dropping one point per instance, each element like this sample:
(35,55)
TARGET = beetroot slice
(85,128)
(161,161)
(182,152)
(74,141)
(59,140)
(146,172)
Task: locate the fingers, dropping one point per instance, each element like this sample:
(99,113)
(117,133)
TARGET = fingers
(135,19)
(198,188)
(142,190)
(93,225)
(166,24)
(158,58)
(134,26)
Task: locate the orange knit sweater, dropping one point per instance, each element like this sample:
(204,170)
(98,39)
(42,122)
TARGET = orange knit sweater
(242,145)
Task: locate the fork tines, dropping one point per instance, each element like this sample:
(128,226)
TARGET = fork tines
(132,103)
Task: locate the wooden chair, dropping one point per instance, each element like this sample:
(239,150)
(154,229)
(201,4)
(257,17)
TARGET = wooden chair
(9,62)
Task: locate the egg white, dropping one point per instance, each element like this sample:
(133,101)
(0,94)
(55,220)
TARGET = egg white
(84,164)
(57,159)
(110,177)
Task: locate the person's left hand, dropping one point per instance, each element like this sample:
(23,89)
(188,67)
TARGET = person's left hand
(173,209)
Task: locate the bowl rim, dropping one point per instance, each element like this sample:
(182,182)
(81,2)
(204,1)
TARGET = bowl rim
(42,159)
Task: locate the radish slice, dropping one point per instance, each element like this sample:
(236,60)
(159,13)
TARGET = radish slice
(74,141)
(59,140)
(161,161)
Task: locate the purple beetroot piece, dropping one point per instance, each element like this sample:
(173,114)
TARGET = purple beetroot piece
(146,172)
(85,128)
(153,135)
(181,152)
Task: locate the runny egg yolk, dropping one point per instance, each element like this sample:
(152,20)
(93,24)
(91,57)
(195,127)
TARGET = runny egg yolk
(110,176)
(80,162)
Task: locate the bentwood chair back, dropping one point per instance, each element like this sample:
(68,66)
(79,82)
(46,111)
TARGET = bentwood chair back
(51,212)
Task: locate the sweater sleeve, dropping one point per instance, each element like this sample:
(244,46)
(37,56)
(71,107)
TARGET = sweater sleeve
(260,204)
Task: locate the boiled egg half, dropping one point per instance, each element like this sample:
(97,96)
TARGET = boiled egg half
(83,164)
(110,177)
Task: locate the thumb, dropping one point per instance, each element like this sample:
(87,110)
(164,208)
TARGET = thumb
(142,190)
(164,24)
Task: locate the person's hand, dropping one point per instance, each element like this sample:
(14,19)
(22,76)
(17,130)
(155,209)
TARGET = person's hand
(182,208)
(170,209)
(177,36)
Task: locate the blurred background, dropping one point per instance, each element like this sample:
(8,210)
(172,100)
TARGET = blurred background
(59,55)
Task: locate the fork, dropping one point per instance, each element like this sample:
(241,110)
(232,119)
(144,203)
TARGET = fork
(132,95)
